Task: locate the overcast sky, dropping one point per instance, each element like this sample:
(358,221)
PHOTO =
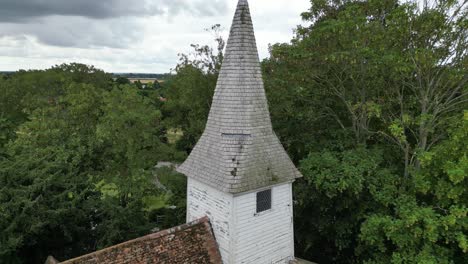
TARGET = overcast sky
(128,35)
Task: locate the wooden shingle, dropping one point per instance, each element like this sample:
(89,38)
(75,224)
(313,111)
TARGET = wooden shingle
(238,150)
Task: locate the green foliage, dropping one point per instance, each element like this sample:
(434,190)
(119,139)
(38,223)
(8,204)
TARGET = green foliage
(362,98)
(338,192)
(370,99)
(190,91)
(430,223)
(44,184)
(175,198)
(25,91)
(189,96)
(6,133)
(122,80)
(78,175)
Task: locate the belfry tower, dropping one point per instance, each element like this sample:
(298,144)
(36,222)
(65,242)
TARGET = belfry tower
(239,174)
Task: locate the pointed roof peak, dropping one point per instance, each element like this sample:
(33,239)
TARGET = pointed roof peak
(242,30)
(242,3)
(239,151)
(243,12)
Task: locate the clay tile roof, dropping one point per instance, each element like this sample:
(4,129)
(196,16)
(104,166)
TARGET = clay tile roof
(239,151)
(192,243)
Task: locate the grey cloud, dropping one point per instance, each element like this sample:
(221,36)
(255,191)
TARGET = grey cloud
(126,35)
(93,23)
(23,11)
(77,32)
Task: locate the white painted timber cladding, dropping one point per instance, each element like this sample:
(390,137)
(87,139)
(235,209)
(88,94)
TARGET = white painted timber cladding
(267,237)
(243,236)
(203,200)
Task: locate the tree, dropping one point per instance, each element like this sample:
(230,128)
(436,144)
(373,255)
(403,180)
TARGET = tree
(190,90)
(78,177)
(340,189)
(432,79)
(429,224)
(122,80)
(25,91)
(46,196)
(359,96)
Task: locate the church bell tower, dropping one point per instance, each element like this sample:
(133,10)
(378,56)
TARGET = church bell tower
(239,174)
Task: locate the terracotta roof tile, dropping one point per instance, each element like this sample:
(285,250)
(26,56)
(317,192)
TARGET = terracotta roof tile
(192,243)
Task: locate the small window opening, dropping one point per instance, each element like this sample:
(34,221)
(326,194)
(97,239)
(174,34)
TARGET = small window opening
(263,201)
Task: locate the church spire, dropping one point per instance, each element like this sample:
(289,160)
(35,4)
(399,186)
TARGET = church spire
(239,151)
(240,97)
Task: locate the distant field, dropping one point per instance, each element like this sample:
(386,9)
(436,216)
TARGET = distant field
(145,80)
(141,76)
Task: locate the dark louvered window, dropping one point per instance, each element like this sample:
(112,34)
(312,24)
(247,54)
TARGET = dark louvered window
(263,201)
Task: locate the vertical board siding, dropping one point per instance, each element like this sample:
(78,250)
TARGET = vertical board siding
(203,200)
(243,236)
(267,237)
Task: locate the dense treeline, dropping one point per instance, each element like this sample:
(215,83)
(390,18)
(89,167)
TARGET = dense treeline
(77,157)
(390,82)
(370,100)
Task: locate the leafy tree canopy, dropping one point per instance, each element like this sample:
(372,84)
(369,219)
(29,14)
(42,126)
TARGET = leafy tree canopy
(77,175)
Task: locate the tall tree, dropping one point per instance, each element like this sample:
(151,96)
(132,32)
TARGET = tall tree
(78,176)
(359,96)
(430,221)
(190,90)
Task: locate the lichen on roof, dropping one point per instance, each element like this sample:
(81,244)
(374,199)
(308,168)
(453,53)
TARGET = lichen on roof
(189,243)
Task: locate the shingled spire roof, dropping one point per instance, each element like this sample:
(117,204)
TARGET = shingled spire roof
(239,151)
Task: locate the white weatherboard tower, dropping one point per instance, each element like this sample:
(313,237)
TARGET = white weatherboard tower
(239,174)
